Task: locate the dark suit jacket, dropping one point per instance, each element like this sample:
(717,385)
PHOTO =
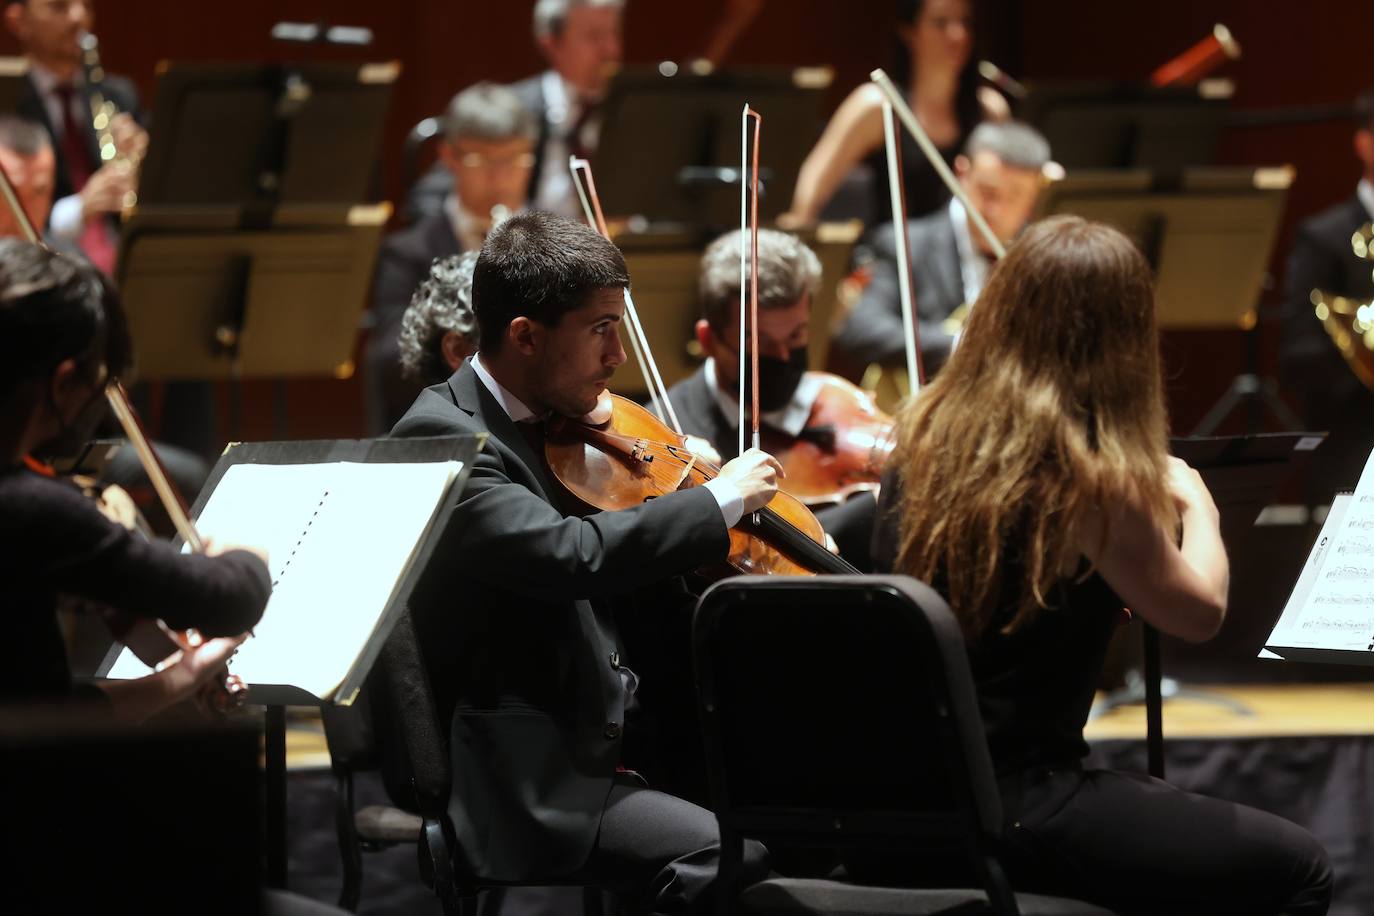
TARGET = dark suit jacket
(117,89)
(873,331)
(849,523)
(426,197)
(402,264)
(515,618)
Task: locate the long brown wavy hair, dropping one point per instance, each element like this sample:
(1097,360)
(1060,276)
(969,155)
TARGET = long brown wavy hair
(1051,408)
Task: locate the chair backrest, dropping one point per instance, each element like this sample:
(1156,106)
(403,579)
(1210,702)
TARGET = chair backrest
(841,710)
(412,735)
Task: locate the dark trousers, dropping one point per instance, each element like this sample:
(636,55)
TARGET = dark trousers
(660,854)
(1138,845)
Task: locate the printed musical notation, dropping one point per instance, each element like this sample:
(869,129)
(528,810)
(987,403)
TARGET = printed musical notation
(1332,605)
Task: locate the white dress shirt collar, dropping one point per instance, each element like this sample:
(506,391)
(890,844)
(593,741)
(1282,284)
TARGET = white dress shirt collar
(973,265)
(790,418)
(1365,192)
(513,406)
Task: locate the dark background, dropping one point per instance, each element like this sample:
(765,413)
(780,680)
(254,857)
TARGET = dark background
(1294,54)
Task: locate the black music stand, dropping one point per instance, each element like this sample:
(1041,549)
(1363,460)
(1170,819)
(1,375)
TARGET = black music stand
(1126,125)
(1244,474)
(670,145)
(250,252)
(275,698)
(1208,234)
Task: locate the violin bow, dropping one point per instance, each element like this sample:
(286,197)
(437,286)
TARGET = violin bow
(937,162)
(119,402)
(749,270)
(915,366)
(639,341)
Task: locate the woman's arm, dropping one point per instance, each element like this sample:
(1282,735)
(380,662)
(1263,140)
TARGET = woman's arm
(1180,588)
(855,130)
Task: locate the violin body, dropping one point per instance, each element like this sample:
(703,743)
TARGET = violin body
(635,457)
(842,450)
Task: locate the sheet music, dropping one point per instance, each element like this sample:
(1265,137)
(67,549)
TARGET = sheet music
(340,538)
(1332,605)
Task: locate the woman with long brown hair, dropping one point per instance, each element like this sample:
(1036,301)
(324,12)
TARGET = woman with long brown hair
(1032,487)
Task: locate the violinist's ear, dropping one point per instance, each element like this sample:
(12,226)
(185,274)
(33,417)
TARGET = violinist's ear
(962,164)
(1364,147)
(522,334)
(706,338)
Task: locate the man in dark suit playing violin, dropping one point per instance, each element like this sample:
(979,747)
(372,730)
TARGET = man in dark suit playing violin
(707,402)
(515,612)
(1001,169)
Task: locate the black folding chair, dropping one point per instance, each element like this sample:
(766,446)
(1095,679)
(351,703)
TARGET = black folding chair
(405,737)
(839,712)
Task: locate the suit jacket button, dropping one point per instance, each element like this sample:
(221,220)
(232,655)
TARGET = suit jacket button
(612,731)
(615,661)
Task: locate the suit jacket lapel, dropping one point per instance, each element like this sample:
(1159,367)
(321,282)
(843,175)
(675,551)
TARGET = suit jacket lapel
(949,272)
(472,397)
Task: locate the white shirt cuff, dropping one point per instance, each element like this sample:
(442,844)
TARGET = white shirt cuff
(64,222)
(729,498)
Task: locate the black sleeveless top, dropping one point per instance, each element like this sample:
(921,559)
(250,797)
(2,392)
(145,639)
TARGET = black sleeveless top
(1035,685)
(925,192)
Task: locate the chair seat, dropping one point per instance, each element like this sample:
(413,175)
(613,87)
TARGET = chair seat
(384,824)
(791,896)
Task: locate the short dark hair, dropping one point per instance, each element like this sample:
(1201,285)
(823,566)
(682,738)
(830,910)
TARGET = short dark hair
(53,308)
(1014,142)
(486,111)
(442,303)
(788,270)
(1364,110)
(541,266)
(22,136)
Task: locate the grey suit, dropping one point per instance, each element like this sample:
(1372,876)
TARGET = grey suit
(515,616)
(873,331)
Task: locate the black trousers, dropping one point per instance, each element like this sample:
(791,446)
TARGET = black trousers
(1138,845)
(661,854)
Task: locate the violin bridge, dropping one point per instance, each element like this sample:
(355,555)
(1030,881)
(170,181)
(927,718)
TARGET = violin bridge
(686,472)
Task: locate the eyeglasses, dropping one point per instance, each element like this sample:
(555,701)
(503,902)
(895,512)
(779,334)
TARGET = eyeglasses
(483,161)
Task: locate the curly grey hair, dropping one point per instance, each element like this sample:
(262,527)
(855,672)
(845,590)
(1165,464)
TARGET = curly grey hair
(442,303)
(787,271)
(550,15)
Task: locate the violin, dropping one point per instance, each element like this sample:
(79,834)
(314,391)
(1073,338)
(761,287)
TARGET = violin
(842,449)
(635,457)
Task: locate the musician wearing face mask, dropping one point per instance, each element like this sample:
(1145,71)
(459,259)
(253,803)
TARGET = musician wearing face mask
(488,151)
(582,41)
(90,186)
(1001,170)
(707,402)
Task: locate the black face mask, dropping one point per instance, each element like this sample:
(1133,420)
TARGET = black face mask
(778,379)
(73,436)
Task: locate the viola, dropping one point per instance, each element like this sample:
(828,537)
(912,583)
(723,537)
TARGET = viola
(842,449)
(635,457)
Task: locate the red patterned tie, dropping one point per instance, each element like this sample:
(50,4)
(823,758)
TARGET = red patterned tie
(76,153)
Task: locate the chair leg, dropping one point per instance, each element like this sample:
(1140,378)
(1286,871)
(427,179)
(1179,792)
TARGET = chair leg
(350,851)
(998,889)
(593,903)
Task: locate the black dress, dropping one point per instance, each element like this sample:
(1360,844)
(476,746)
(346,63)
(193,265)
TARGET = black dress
(54,541)
(925,191)
(1122,840)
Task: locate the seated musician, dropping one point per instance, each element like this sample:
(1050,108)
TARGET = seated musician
(1032,487)
(439,329)
(27,157)
(90,188)
(581,40)
(488,151)
(1330,395)
(707,402)
(62,334)
(516,612)
(1000,169)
